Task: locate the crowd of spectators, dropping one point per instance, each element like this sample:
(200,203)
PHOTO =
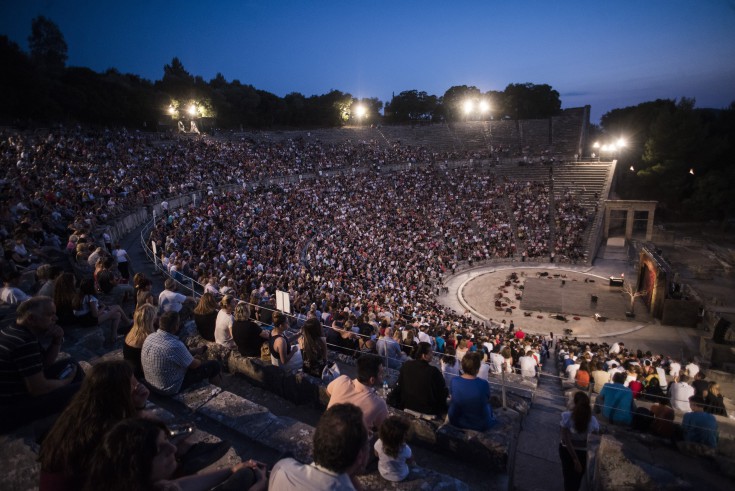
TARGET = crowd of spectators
(365,254)
(624,379)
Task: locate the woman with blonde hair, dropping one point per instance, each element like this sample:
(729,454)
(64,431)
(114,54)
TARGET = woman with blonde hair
(205,316)
(223,324)
(248,335)
(142,326)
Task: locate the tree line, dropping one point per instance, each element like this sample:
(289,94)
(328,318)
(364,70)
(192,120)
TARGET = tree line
(38,86)
(677,155)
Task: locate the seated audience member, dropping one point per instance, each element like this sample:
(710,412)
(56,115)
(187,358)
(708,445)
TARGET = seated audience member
(89,312)
(388,348)
(497,362)
(636,386)
(143,291)
(681,391)
(167,364)
(698,426)
(341,449)
(33,383)
(47,275)
(170,301)
(714,403)
(225,319)
(575,427)
(205,316)
(149,460)
(571,369)
(700,385)
(142,327)
(421,387)
(653,392)
(616,400)
(599,377)
(692,369)
(10,293)
(528,364)
(110,282)
(449,365)
(64,291)
(469,405)
(361,391)
(108,395)
(313,347)
(341,339)
(663,419)
(394,455)
(247,335)
(282,353)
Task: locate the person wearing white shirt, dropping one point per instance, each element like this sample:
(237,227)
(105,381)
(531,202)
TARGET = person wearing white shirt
(681,391)
(615,348)
(674,368)
(224,322)
(692,370)
(571,370)
(528,365)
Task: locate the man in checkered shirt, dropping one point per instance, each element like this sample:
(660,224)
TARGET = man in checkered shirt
(168,365)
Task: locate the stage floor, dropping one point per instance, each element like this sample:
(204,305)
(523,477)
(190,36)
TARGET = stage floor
(544,295)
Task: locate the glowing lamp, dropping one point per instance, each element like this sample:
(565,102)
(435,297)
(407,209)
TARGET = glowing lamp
(468,106)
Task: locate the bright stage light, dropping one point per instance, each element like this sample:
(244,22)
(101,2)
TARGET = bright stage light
(171,110)
(484,107)
(468,106)
(192,110)
(622,142)
(360,111)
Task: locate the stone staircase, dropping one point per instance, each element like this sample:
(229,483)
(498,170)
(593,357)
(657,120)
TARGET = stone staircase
(537,464)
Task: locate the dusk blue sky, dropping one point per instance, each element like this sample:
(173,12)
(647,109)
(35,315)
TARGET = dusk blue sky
(608,54)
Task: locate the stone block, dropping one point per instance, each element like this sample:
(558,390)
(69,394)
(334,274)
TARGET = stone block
(492,448)
(196,398)
(238,414)
(18,458)
(423,431)
(286,434)
(111,355)
(419,479)
(90,338)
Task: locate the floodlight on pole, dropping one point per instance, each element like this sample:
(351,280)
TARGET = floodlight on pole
(484,107)
(360,111)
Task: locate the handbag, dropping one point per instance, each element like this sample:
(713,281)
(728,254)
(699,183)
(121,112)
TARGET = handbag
(330,372)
